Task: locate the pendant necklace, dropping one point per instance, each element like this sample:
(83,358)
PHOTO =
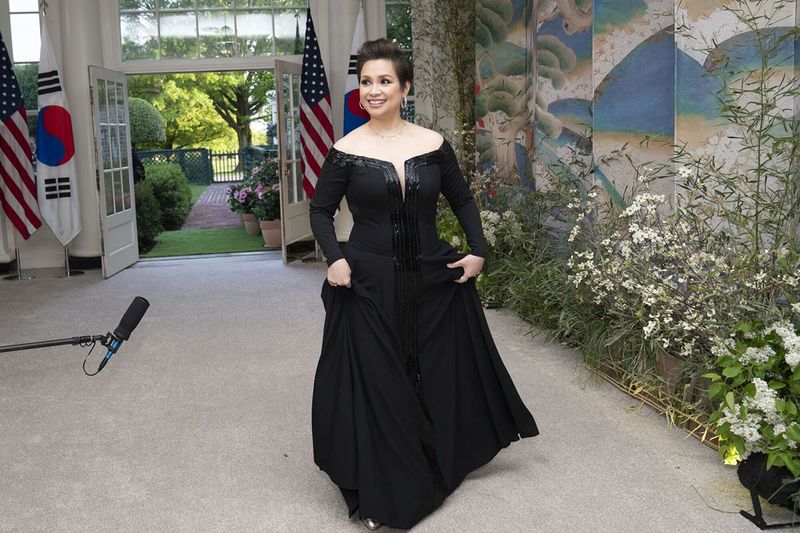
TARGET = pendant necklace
(388,137)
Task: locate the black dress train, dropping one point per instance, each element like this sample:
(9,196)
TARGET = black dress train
(410,393)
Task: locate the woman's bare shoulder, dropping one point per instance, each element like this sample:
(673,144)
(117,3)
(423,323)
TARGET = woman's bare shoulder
(351,142)
(427,138)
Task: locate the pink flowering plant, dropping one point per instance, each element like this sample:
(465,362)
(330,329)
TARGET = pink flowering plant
(757,383)
(264,173)
(259,193)
(241,198)
(267,205)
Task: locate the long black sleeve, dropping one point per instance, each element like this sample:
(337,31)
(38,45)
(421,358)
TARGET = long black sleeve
(458,195)
(328,193)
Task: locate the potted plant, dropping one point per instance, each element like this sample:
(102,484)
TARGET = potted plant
(232,196)
(758,420)
(241,199)
(265,173)
(267,207)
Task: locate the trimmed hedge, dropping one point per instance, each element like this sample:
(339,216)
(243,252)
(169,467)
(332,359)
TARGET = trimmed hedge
(147,125)
(171,189)
(148,216)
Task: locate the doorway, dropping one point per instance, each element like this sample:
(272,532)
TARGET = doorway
(198,138)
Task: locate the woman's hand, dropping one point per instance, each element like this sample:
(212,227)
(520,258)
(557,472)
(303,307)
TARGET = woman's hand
(472,265)
(339,273)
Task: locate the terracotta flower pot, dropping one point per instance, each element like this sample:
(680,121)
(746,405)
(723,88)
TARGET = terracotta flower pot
(271,231)
(250,223)
(668,367)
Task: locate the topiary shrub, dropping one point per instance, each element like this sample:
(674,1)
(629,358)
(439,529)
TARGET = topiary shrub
(147,125)
(172,191)
(148,216)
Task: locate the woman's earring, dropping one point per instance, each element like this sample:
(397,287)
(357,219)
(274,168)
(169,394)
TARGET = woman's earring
(361,105)
(405,102)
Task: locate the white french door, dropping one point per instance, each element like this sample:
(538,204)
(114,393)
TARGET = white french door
(119,242)
(295,225)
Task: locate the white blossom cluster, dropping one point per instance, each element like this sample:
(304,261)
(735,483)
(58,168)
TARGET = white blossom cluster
(722,347)
(764,400)
(756,355)
(649,269)
(758,410)
(498,226)
(790,340)
(489,221)
(644,203)
(749,428)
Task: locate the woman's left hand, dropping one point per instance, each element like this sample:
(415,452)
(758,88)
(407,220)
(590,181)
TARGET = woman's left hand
(472,265)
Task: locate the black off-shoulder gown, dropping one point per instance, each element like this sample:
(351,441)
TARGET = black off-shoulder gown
(410,393)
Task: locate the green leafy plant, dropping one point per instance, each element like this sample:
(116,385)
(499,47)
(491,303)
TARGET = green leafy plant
(148,216)
(147,125)
(267,204)
(264,173)
(171,189)
(758,385)
(450,230)
(444,63)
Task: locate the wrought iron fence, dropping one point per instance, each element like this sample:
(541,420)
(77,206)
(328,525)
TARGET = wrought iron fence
(236,166)
(204,166)
(194,162)
(226,166)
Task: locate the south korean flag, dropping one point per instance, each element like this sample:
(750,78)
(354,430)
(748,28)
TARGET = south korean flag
(55,150)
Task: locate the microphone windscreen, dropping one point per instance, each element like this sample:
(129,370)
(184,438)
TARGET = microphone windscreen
(131,318)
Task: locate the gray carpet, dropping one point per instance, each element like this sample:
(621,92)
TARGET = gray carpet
(202,421)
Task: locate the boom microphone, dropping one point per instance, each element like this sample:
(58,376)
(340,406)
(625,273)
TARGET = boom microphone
(127,324)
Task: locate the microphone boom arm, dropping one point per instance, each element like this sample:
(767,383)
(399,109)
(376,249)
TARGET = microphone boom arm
(75,341)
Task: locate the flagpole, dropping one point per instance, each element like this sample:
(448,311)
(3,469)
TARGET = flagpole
(67,272)
(19,276)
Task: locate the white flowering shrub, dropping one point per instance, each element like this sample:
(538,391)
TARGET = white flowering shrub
(757,382)
(684,281)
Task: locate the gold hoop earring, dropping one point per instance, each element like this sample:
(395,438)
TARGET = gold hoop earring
(361,105)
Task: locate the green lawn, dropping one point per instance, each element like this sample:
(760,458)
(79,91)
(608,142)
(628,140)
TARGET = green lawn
(206,241)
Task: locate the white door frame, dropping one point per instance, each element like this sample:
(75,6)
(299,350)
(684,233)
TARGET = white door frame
(295,224)
(119,244)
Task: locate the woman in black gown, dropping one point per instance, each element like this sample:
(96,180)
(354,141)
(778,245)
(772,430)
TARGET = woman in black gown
(410,393)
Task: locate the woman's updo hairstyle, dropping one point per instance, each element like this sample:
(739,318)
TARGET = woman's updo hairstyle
(383,48)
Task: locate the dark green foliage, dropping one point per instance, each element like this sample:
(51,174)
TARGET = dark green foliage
(398,24)
(268,206)
(27,76)
(172,191)
(147,126)
(148,216)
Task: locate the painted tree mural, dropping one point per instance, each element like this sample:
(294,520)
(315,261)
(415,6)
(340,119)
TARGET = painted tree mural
(641,74)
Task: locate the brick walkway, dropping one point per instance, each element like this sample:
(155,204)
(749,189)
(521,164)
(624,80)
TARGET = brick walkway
(211,210)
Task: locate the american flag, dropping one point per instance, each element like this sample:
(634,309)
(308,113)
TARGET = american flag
(17,184)
(316,128)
